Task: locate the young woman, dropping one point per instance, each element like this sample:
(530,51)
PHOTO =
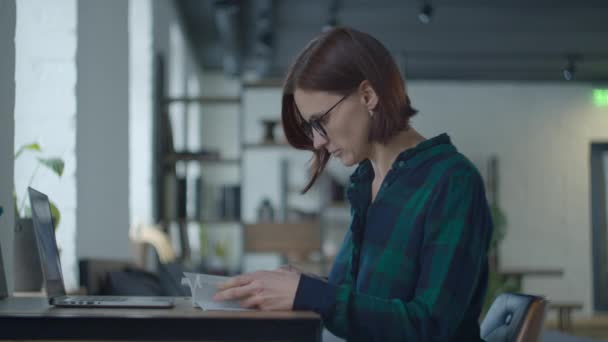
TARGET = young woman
(413,266)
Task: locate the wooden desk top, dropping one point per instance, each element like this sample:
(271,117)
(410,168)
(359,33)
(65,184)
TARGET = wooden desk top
(183,322)
(553,272)
(36,306)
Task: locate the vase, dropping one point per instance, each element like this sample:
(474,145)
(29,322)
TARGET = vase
(26,261)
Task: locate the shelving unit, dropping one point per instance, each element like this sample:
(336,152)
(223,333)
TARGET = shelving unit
(172,187)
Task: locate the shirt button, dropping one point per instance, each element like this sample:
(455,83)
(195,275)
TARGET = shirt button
(401,164)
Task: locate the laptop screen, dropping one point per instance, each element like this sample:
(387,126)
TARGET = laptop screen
(47,246)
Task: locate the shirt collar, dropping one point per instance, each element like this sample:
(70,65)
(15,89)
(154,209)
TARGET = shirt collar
(408,158)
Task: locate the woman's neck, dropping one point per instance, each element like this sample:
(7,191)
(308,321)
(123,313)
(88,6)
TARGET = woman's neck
(382,157)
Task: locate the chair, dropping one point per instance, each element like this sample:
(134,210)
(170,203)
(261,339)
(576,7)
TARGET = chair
(514,317)
(168,268)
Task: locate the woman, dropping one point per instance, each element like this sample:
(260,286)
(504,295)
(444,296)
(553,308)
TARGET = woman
(413,265)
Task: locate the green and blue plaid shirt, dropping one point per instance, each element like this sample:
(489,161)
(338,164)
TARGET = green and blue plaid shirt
(413,266)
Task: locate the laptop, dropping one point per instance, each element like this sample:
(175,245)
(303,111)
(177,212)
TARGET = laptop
(51,266)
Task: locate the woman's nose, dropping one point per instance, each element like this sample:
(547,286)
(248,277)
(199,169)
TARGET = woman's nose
(318,140)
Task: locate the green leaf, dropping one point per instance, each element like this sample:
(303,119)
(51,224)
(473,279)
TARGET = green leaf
(55,214)
(29,147)
(27,211)
(55,164)
(16,208)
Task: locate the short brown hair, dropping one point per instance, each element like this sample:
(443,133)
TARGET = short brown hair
(337,61)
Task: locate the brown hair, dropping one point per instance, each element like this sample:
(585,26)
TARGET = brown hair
(337,61)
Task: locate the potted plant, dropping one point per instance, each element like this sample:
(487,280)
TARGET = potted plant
(28,276)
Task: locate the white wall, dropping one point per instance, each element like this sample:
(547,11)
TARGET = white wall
(7,124)
(541,133)
(103,130)
(140,111)
(45,74)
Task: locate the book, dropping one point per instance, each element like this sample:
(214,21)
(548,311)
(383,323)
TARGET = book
(203,287)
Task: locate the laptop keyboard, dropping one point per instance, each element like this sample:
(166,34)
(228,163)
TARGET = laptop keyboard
(97,298)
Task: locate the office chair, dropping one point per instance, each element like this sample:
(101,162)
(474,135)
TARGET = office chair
(514,317)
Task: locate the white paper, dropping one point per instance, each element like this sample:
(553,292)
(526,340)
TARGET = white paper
(203,287)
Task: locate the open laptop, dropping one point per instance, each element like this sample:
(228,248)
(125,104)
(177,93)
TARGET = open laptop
(51,266)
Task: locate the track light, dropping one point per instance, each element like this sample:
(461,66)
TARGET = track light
(426,13)
(332,20)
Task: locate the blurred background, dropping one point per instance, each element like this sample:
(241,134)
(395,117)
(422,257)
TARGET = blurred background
(154,128)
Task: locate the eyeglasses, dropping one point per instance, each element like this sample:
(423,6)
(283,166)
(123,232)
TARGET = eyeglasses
(316,123)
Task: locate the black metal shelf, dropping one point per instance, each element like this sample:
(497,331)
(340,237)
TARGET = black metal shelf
(265,145)
(204,99)
(205,157)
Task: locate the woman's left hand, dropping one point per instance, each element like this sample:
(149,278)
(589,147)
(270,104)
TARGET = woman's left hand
(264,290)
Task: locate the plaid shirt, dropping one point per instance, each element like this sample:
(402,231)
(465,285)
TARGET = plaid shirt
(413,266)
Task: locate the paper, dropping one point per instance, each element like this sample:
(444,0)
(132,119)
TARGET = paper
(203,287)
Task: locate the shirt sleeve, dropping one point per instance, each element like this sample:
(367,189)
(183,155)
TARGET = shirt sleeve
(453,258)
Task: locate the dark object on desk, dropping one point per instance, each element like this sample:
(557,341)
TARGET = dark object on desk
(93,273)
(514,317)
(120,278)
(136,282)
(170,277)
(26,261)
(51,265)
(131,282)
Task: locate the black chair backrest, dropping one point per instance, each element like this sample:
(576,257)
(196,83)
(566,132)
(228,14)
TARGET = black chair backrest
(506,317)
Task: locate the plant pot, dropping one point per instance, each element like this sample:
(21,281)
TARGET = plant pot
(26,261)
(216,265)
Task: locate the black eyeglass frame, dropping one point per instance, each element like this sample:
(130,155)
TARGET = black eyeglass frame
(315,123)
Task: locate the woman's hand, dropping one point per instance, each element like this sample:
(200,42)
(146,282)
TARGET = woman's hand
(264,290)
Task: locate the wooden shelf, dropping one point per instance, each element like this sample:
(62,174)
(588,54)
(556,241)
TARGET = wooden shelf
(264,83)
(199,157)
(204,99)
(266,145)
(206,222)
(542,272)
(214,222)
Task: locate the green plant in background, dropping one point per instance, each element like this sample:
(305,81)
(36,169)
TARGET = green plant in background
(55,164)
(497,283)
(220,249)
(500,229)
(204,240)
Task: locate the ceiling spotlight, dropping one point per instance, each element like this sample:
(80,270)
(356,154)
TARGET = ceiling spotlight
(331,23)
(570,69)
(332,20)
(426,13)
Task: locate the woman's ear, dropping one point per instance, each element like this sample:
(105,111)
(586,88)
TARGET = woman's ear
(369,98)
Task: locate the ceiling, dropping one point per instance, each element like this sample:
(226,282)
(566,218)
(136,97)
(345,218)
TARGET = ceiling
(520,40)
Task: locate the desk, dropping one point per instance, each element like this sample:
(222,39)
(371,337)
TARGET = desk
(518,274)
(31,318)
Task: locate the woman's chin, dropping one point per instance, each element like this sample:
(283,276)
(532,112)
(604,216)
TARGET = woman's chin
(346,161)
